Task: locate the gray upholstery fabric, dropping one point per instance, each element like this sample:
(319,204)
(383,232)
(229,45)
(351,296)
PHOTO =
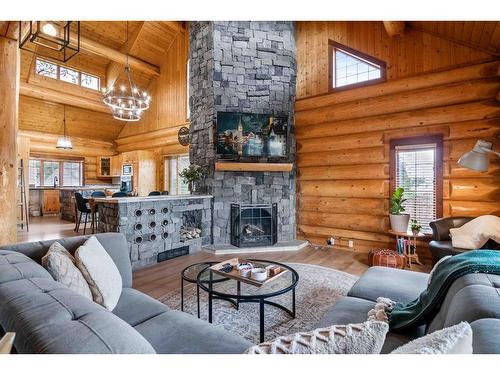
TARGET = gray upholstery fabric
(135,307)
(398,285)
(50,318)
(485,336)
(355,310)
(114,243)
(472,297)
(178,333)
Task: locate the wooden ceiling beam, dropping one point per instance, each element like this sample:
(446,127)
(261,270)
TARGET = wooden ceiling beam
(99,49)
(39,92)
(114,68)
(394,28)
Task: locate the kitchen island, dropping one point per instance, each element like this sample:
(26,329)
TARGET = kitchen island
(158,228)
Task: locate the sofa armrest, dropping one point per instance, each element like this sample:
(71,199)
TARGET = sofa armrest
(441,227)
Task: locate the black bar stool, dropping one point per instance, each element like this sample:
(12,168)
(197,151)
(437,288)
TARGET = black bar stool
(81,206)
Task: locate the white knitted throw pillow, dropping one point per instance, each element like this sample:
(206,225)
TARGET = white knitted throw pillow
(61,266)
(362,338)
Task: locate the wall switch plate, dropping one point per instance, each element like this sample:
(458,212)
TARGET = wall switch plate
(351,243)
(332,241)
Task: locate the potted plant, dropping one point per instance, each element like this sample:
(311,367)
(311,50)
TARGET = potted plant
(399,220)
(191,175)
(415,227)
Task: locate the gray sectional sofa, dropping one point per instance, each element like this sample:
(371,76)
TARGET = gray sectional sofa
(49,318)
(474,298)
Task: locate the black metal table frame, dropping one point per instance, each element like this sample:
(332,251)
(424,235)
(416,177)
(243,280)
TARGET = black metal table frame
(260,299)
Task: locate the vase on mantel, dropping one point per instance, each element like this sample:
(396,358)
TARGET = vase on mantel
(192,187)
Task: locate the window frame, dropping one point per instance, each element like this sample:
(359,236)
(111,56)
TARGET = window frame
(58,74)
(332,46)
(166,171)
(436,139)
(60,176)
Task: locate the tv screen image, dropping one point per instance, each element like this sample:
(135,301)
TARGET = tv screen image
(251,135)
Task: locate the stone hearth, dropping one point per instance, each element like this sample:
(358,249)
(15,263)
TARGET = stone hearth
(248,67)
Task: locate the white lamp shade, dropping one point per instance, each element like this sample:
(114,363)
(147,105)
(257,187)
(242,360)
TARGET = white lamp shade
(477,159)
(64,143)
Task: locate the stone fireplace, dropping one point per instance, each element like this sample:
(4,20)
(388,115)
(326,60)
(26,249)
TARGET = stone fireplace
(246,67)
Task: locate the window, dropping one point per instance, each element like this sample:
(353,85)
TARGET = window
(173,166)
(350,68)
(43,172)
(63,73)
(416,165)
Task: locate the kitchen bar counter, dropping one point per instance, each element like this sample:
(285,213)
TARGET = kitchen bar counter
(158,227)
(67,194)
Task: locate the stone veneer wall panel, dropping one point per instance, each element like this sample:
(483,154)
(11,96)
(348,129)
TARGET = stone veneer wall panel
(250,67)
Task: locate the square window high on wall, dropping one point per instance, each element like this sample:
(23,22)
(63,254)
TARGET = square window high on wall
(417,167)
(350,68)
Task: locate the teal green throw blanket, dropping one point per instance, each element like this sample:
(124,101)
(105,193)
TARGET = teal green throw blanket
(423,309)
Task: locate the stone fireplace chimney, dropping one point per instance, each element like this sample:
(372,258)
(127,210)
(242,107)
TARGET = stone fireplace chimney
(249,67)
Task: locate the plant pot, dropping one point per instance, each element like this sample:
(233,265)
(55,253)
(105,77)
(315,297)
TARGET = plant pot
(399,223)
(415,232)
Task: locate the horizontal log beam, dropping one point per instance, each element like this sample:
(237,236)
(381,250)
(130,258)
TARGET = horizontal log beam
(468,73)
(346,189)
(465,208)
(102,50)
(153,139)
(370,206)
(345,172)
(369,223)
(473,190)
(39,92)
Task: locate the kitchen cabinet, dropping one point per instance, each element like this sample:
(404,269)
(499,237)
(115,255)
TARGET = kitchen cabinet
(109,166)
(144,170)
(51,203)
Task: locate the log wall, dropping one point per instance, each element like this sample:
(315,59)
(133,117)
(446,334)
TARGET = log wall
(343,150)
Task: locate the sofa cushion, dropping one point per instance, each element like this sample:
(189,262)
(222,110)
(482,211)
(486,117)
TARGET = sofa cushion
(16,266)
(471,297)
(355,310)
(135,307)
(485,336)
(114,243)
(100,272)
(395,284)
(176,332)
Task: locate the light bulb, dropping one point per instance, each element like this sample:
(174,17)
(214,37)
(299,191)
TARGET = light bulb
(49,29)
(122,88)
(119,100)
(144,94)
(123,105)
(120,111)
(135,90)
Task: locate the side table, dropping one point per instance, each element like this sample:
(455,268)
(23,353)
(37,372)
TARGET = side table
(409,251)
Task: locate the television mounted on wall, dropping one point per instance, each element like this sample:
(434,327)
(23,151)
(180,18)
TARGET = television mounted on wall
(251,136)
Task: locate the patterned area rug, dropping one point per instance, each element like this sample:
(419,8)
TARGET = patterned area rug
(318,289)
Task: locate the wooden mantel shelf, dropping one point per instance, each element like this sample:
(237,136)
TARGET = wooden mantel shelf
(253,167)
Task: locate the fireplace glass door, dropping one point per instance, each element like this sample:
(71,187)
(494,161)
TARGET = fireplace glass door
(253,225)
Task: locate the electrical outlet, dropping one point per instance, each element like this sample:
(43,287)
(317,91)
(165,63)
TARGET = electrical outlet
(332,241)
(351,243)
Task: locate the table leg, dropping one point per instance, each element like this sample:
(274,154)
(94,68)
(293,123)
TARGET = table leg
(293,303)
(238,287)
(210,307)
(198,299)
(261,302)
(182,294)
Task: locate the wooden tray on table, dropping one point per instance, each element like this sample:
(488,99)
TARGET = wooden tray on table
(234,274)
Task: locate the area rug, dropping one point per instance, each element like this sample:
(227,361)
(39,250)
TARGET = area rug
(318,289)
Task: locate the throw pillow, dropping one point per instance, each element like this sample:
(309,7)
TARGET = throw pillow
(362,338)
(100,272)
(451,340)
(61,265)
(475,233)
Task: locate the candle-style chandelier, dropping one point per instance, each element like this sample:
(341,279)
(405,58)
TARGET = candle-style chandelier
(128,102)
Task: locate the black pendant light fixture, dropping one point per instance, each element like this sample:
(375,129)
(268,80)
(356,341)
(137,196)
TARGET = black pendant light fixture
(59,40)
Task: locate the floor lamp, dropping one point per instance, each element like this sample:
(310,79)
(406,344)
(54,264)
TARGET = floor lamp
(478,159)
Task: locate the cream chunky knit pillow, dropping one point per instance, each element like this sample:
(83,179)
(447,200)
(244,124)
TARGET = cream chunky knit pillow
(362,338)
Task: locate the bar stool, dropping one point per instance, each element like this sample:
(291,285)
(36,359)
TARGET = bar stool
(154,193)
(119,194)
(81,206)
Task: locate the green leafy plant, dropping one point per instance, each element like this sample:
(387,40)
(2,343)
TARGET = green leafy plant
(397,201)
(415,227)
(192,174)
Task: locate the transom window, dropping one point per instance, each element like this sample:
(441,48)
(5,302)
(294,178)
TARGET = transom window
(417,167)
(350,68)
(173,166)
(43,172)
(52,70)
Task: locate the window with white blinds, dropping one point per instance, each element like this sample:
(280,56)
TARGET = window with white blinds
(173,182)
(416,173)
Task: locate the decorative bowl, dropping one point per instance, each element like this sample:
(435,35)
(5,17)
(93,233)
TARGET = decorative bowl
(259,274)
(245,269)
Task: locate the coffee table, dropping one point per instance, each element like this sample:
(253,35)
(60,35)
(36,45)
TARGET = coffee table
(232,290)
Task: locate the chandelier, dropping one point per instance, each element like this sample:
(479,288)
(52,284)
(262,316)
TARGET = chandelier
(64,142)
(128,102)
(58,40)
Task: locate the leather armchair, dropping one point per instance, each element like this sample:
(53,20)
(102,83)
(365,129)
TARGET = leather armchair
(441,245)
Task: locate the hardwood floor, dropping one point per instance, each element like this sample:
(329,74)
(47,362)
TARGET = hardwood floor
(164,277)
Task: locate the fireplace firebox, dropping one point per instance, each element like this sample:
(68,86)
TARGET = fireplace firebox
(254,224)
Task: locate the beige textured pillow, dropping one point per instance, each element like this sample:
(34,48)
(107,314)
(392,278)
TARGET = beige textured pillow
(456,339)
(362,338)
(100,272)
(475,233)
(61,265)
